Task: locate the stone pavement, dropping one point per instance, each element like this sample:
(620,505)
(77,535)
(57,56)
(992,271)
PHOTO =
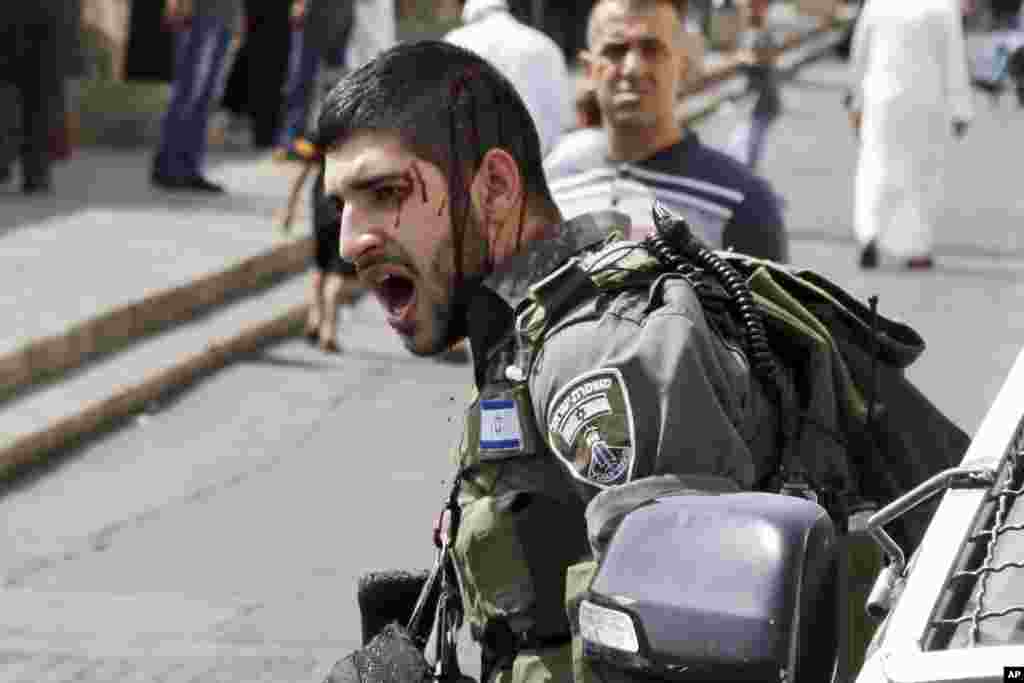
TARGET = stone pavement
(95,267)
(106,238)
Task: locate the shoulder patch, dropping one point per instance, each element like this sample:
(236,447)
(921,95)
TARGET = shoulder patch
(590,428)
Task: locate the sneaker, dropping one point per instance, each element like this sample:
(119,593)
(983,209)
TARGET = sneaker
(37,184)
(37,187)
(869,255)
(201,184)
(196,183)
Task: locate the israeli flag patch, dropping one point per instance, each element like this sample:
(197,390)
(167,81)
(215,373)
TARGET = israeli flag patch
(499,426)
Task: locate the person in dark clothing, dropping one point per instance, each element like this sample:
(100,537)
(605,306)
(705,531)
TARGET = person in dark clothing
(1006,13)
(203,37)
(30,36)
(235,99)
(264,60)
(759,49)
(317,27)
(253,91)
(149,55)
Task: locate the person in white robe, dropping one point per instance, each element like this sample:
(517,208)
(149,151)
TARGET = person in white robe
(374,30)
(527,57)
(910,95)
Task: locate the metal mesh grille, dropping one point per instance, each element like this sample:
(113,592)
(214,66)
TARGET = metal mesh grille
(984,600)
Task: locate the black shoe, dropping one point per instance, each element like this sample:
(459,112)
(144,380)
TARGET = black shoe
(196,183)
(36,187)
(157,179)
(201,184)
(869,256)
(5,175)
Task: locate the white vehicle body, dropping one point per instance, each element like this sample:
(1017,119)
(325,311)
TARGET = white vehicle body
(956,612)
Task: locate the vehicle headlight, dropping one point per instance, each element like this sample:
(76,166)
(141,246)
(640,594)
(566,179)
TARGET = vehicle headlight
(608,627)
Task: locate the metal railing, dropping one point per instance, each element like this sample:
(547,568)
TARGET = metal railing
(952,610)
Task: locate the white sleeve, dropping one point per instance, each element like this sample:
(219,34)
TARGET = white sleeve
(958,83)
(553,92)
(567,101)
(860,47)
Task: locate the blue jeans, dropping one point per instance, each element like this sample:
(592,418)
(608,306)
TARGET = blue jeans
(759,126)
(199,57)
(303,65)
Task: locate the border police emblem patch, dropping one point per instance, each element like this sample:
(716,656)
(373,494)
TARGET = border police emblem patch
(590,428)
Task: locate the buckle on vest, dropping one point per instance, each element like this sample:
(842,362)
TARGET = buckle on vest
(799,489)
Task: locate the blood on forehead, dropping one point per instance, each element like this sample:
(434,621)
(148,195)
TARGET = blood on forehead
(418,178)
(461,81)
(460,85)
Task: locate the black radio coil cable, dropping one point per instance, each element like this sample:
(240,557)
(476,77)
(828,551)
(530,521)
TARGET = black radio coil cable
(674,246)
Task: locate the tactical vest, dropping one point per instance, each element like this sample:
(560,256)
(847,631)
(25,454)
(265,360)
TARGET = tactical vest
(859,434)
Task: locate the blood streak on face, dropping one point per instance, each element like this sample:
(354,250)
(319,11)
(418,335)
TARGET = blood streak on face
(414,178)
(398,215)
(419,180)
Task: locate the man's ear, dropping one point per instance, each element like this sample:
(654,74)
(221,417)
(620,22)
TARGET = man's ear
(497,187)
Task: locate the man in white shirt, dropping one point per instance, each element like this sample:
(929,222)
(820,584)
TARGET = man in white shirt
(528,58)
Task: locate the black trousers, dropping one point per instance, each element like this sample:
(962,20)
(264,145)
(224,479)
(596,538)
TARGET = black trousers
(257,77)
(1004,10)
(30,41)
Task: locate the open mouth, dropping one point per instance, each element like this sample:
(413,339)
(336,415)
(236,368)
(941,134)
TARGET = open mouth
(395,293)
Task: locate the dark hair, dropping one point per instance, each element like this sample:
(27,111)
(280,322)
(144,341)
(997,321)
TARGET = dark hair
(447,105)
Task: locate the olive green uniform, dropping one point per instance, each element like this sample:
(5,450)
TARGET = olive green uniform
(618,383)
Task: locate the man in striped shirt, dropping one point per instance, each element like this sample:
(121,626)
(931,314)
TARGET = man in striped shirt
(635,62)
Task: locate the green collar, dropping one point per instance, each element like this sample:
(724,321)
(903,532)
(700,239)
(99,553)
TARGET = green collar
(490,312)
(513,279)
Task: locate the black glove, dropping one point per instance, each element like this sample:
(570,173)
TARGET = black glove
(959,128)
(386,597)
(391,657)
